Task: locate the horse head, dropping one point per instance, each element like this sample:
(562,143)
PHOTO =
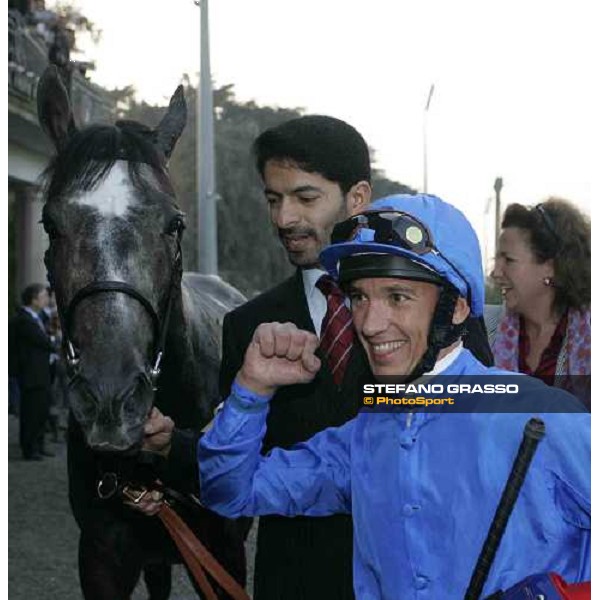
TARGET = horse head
(114,259)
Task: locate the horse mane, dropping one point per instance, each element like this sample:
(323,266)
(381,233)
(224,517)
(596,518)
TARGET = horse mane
(92,152)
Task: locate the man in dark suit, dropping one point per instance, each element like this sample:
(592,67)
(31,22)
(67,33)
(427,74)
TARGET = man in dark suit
(33,348)
(316,172)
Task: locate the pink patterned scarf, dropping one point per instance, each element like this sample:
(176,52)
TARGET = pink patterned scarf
(575,354)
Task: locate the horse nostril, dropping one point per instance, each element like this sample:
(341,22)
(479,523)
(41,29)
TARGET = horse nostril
(130,406)
(84,410)
(137,402)
(83,402)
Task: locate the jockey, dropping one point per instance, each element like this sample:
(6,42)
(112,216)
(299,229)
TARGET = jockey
(422,486)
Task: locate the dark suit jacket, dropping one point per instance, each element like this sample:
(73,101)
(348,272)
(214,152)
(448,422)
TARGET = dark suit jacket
(33,348)
(13,348)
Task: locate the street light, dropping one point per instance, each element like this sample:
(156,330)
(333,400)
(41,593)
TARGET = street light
(497,189)
(426,112)
(207,196)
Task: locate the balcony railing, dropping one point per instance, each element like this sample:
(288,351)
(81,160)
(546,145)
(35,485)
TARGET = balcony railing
(27,60)
(23,57)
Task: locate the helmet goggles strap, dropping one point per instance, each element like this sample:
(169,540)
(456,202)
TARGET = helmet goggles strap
(442,332)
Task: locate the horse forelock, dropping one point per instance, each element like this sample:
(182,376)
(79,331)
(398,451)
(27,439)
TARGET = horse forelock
(90,155)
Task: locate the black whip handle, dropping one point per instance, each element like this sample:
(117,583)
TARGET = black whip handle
(534,431)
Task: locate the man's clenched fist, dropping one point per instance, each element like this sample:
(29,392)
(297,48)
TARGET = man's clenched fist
(279,354)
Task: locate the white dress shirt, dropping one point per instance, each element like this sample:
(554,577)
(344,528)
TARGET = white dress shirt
(317,302)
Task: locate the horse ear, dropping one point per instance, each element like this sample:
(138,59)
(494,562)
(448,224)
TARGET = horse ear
(54,108)
(172,124)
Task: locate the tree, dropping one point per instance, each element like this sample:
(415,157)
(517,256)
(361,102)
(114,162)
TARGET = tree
(382,186)
(72,18)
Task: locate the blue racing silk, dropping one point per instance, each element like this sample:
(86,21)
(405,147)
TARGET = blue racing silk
(422,487)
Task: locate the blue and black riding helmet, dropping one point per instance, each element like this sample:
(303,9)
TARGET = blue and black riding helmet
(421,238)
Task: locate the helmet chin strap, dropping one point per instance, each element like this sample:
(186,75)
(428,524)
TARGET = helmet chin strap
(442,332)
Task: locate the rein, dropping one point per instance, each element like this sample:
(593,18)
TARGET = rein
(198,559)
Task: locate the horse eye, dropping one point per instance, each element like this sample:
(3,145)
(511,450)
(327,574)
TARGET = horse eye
(176,225)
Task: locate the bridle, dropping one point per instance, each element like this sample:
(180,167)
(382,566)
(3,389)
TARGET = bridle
(159,328)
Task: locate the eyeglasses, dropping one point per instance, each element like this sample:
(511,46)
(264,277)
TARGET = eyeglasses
(547,221)
(394,228)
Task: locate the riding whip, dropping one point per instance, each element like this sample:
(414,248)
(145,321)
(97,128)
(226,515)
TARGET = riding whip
(534,431)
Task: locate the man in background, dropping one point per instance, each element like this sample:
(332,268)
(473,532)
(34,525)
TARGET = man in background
(33,349)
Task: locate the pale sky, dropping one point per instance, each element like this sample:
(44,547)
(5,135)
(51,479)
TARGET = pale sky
(515,93)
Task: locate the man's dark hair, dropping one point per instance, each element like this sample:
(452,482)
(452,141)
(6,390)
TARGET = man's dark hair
(317,144)
(31,292)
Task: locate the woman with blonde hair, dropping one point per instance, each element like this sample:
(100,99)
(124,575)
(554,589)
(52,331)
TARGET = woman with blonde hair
(543,270)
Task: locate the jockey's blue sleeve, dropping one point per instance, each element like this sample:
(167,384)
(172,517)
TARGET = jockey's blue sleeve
(312,478)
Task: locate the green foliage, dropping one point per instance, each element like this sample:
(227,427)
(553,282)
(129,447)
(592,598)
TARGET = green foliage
(72,18)
(123,100)
(250,255)
(385,187)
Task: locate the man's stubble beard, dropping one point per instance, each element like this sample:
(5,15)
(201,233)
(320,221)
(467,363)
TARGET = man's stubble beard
(312,262)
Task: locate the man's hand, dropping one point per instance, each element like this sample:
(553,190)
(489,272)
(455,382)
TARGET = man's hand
(279,354)
(158,430)
(148,504)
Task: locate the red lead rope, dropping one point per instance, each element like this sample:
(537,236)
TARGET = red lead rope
(198,559)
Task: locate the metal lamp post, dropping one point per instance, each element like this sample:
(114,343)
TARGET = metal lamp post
(497,189)
(426,112)
(207,196)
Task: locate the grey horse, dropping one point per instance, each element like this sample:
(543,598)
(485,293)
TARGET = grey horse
(137,332)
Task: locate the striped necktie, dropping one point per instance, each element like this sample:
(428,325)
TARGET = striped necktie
(337,333)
